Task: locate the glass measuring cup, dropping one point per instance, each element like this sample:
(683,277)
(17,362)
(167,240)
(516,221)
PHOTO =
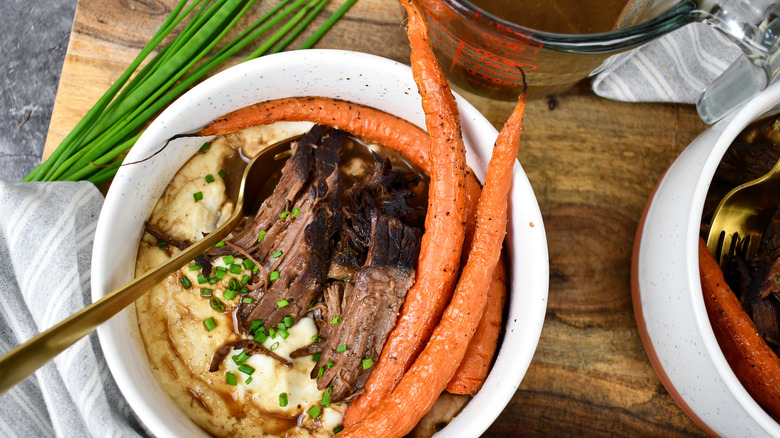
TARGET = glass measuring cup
(484,53)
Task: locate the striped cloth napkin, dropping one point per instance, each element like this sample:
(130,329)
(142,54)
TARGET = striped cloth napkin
(674,68)
(46,233)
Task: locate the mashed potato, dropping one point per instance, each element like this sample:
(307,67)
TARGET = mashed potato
(171,317)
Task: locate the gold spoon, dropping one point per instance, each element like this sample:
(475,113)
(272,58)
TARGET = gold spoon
(256,184)
(743,215)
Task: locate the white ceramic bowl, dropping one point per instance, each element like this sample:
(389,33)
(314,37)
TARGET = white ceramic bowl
(352,76)
(667,295)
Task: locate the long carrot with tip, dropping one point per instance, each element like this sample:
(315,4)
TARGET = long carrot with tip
(419,388)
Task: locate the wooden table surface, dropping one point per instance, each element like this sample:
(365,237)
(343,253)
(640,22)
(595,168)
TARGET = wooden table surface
(592,163)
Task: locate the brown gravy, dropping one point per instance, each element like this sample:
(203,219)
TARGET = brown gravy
(559,16)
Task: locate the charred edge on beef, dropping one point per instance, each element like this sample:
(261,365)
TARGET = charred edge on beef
(370,306)
(385,190)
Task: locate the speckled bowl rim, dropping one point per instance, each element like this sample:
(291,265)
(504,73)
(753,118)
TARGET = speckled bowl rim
(306,73)
(726,131)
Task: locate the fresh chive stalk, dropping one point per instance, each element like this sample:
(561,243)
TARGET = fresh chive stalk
(96,146)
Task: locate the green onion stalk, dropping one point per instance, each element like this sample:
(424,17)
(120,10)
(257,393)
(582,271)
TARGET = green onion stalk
(96,146)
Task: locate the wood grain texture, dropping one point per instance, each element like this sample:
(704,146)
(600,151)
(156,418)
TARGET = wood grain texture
(592,163)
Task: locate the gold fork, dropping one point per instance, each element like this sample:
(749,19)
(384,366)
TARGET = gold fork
(743,215)
(257,183)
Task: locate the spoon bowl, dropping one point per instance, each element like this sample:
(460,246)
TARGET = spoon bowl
(255,186)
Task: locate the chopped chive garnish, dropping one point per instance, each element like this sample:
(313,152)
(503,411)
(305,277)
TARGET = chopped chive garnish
(198,196)
(296,210)
(240,358)
(205,147)
(325,399)
(314,412)
(247,300)
(341,348)
(261,235)
(272,332)
(228,259)
(261,329)
(248,381)
(329,364)
(284,333)
(281,325)
(338,429)
(217,305)
(235,269)
(283,399)
(288,321)
(206,292)
(245,279)
(243,290)
(209,324)
(231,379)
(316,339)
(248,264)
(256,324)
(186,283)
(277,254)
(220,273)
(255,268)
(195,267)
(210,178)
(260,337)
(233,284)
(320,372)
(213,280)
(274,346)
(283,214)
(219,245)
(283,303)
(202,278)
(316,357)
(229,294)
(336,320)
(246,369)
(367,363)
(162,245)
(222,173)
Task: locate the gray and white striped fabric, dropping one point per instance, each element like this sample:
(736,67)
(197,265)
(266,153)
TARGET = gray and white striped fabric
(674,68)
(46,234)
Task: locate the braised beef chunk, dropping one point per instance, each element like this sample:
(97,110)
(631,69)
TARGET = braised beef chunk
(370,307)
(297,248)
(295,175)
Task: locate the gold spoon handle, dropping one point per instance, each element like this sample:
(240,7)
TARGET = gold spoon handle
(23,360)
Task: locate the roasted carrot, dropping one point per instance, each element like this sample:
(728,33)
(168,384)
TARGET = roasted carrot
(474,368)
(751,359)
(371,124)
(413,397)
(442,241)
(419,388)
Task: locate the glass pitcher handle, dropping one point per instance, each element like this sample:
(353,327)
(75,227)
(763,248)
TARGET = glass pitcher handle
(755,26)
